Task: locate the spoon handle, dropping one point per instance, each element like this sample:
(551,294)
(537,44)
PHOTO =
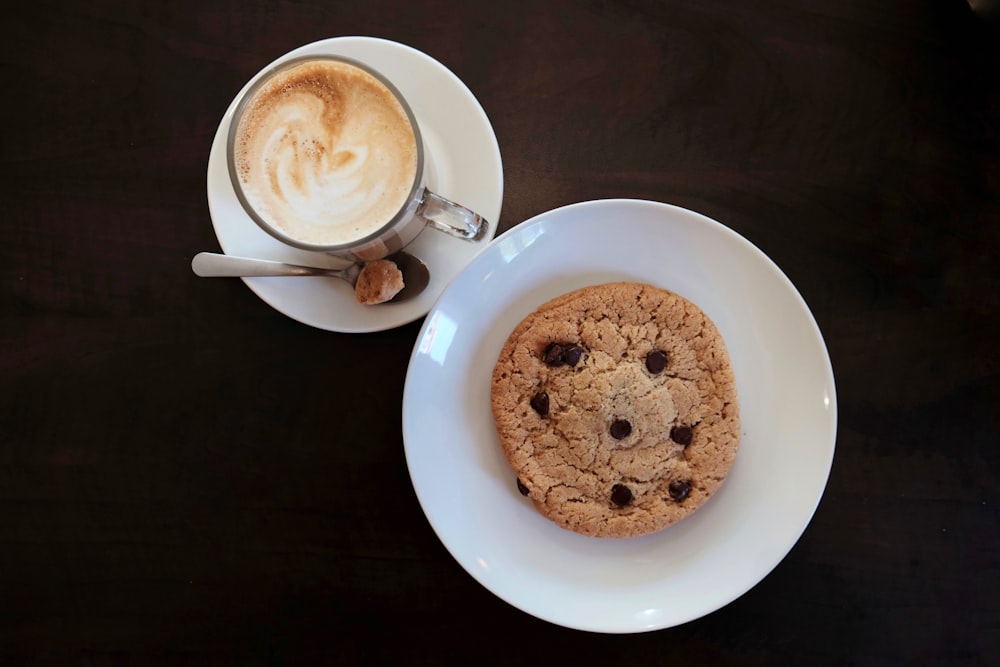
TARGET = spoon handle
(215,265)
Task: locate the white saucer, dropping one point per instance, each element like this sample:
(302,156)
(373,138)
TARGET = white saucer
(787,402)
(463,165)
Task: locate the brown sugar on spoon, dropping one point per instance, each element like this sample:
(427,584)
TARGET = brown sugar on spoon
(379,281)
(616,408)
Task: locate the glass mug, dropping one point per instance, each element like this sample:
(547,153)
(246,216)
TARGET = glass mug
(324,154)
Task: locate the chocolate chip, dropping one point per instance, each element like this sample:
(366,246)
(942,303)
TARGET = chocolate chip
(521,487)
(620,428)
(679,489)
(553,354)
(621,495)
(656,361)
(572,355)
(540,402)
(682,435)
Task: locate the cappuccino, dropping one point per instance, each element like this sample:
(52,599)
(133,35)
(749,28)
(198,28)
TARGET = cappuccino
(324,153)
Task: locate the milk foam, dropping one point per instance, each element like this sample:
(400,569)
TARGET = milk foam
(326,153)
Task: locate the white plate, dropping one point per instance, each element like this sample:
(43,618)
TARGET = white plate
(788,410)
(463,162)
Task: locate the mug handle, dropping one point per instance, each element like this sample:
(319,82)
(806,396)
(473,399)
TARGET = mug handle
(451,218)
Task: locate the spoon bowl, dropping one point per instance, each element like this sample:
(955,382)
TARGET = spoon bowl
(216,265)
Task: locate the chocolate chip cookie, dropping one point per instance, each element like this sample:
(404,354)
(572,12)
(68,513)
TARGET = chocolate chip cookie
(616,407)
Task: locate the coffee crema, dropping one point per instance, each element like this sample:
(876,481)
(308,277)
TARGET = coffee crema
(325,152)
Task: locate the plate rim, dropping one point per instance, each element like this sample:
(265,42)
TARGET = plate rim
(829,448)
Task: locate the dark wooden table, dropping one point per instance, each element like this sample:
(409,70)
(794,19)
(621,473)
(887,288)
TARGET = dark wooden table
(189,477)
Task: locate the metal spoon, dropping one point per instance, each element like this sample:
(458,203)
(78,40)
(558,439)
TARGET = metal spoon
(214,265)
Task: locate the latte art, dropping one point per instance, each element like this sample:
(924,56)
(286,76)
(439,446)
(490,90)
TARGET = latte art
(325,152)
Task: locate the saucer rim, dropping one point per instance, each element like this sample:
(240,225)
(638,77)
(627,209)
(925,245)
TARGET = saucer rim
(444,257)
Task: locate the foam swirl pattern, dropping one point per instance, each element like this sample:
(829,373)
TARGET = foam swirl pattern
(325,152)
